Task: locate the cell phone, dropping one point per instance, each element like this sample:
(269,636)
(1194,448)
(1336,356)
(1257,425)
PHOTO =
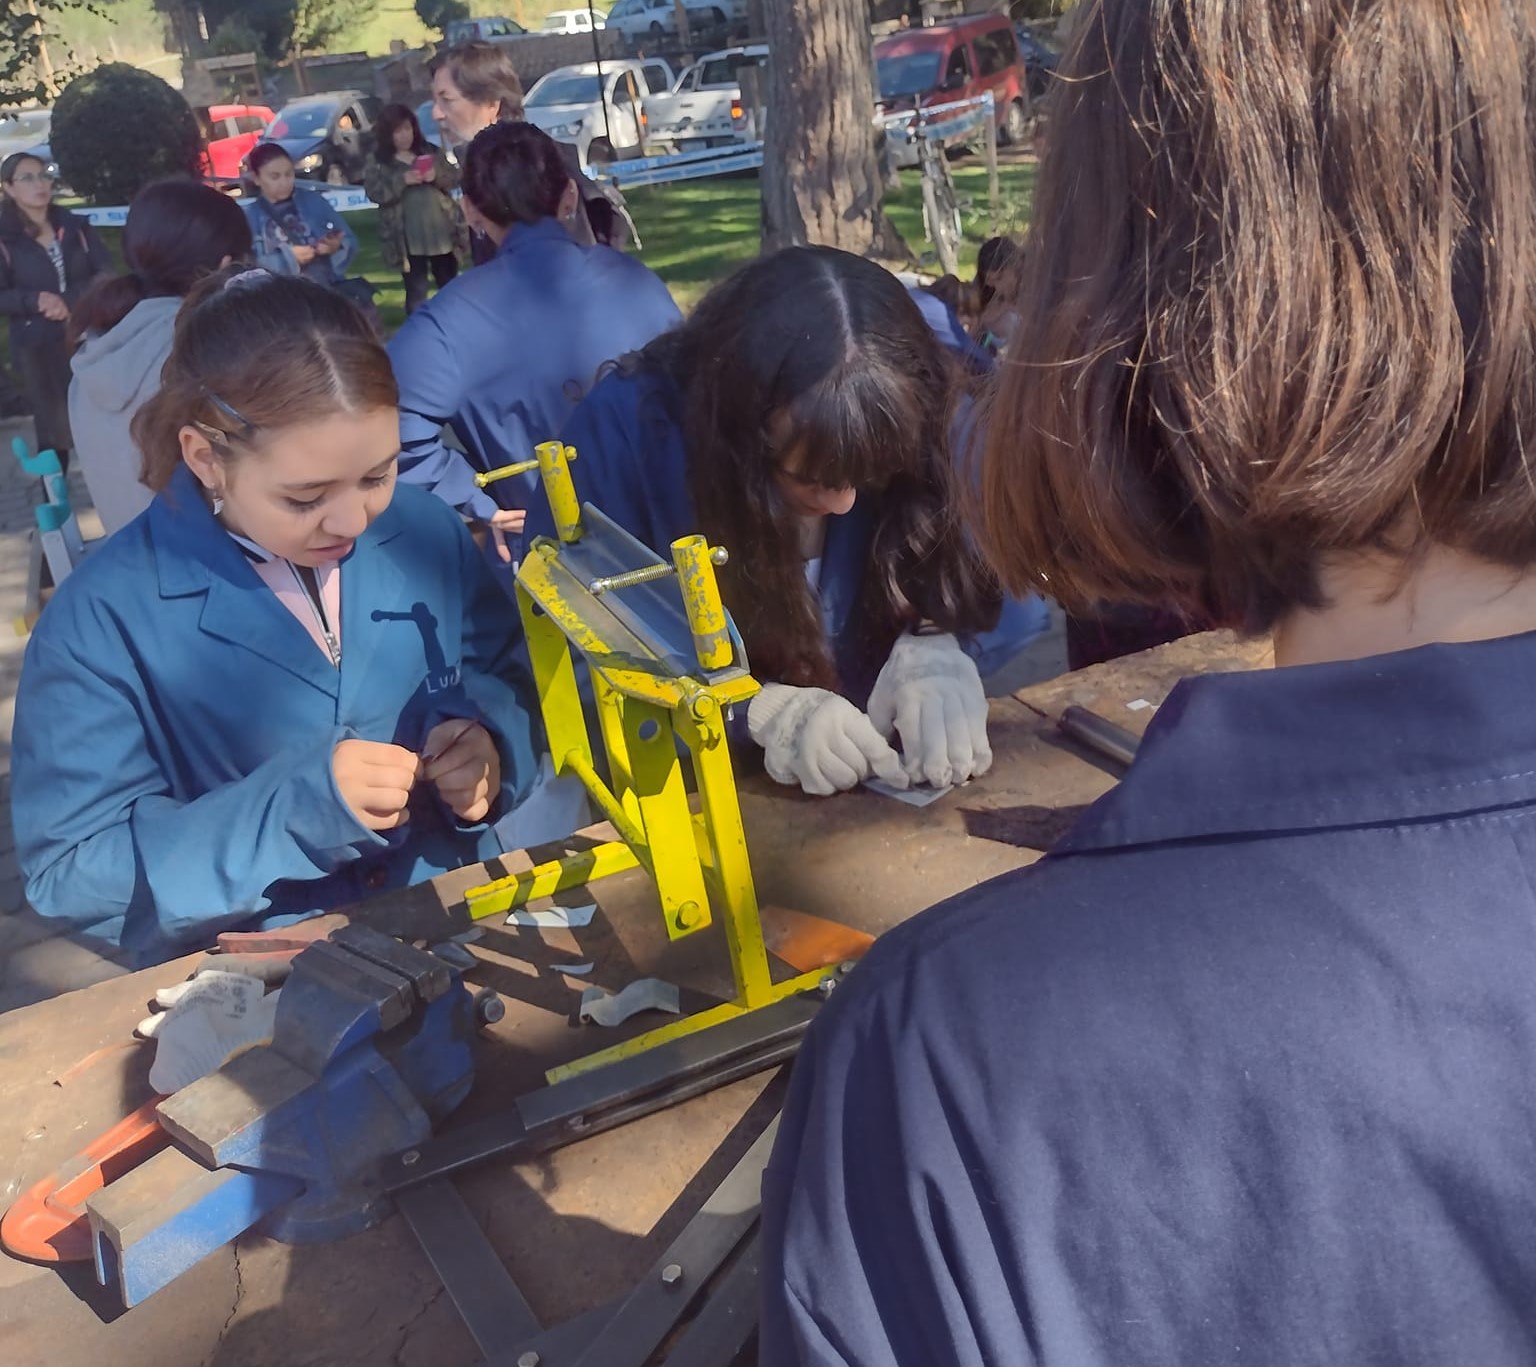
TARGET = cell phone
(423,164)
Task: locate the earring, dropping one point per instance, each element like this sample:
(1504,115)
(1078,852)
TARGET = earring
(218,505)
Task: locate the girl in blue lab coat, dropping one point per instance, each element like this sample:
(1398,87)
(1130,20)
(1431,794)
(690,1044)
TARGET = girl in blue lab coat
(799,419)
(287,683)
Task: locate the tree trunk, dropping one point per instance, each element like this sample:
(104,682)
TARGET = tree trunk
(821,180)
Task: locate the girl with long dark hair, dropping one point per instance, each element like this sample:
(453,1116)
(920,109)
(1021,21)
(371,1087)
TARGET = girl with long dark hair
(800,418)
(1241,1071)
(178,231)
(48,256)
(412,182)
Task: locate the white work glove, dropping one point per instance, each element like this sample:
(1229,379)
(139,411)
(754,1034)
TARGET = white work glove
(819,740)
(930,694)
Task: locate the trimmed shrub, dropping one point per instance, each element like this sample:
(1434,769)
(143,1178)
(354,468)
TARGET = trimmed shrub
(117,128)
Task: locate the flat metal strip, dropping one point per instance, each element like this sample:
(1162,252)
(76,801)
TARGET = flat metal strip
(591,1103)
(727,1318)
(664,1294)
(475,1277)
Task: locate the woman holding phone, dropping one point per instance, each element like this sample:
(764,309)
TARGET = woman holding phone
(296,232)
(412,182)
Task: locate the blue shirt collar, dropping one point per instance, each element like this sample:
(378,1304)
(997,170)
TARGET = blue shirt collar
(1424,734)
(521,235)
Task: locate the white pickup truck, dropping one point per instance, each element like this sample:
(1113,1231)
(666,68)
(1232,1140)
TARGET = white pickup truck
(705,108)
(568,104)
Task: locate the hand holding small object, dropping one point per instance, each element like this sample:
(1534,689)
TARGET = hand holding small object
(502,522)
(302,254)
(930,694)
(52,307)
(462,761)
(819,740)
(375,781)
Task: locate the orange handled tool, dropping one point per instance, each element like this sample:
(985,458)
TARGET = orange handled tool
(47,1223)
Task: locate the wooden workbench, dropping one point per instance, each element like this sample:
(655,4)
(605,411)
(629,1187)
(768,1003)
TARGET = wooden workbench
(578,1226)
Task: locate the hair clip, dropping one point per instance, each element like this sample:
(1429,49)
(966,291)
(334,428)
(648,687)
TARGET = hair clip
(245,279)
(247,429)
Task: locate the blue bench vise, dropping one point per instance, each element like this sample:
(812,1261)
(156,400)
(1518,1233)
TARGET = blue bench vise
(371,1047)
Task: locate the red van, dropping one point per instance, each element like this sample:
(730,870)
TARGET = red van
(958,60)
(229,132)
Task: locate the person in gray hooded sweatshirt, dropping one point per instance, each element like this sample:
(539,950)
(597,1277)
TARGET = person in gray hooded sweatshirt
(178,231)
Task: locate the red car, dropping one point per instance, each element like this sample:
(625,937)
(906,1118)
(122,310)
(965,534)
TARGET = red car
(958,60)
(229,132)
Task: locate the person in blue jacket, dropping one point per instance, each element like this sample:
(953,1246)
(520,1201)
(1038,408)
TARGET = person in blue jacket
(505,352)
(289,682)
(1241,1072)
(295,229)
(799,418)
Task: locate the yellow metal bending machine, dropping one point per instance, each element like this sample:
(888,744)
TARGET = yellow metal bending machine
(665,663)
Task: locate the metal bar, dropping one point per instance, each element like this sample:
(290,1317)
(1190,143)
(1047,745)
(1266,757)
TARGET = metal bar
(521,467)
(612,809)
(559,1346)
(594,1102)
(663,1296)
(1104,738)
(728,1316)
(666,840)
(544,880)
(482,1289)
(721,810)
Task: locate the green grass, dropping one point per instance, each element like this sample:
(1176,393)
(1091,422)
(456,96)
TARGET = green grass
(697,232)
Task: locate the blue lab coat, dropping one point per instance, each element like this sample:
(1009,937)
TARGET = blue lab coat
(632,463)
(1240,1073)
(171,775)
(506,351)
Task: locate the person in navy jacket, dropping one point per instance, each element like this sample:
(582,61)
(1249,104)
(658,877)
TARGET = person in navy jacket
(288,683)
(1242,1071)
(505,352)
(799,418)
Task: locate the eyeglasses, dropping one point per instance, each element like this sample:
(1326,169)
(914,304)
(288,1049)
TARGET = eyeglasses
(33,178)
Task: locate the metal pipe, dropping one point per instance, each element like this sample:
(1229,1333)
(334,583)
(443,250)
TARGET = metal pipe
(554,462)
(695,560)
(1103,737)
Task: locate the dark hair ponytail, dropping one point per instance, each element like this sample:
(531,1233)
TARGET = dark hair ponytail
(178,231)
(271,351)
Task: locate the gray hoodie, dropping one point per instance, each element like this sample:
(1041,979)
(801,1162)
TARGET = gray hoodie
(115,372)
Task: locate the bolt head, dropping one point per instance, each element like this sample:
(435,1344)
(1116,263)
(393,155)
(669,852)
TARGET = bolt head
(528,1359)
(411,1157)
(671,1274)
(688,915)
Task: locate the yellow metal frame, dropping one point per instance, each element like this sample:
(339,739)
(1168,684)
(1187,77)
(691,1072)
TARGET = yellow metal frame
(645,706)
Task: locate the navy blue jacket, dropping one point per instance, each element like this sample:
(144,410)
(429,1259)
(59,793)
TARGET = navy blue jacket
(171,776)
(1242,1074)
(632,462)
(506,351)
